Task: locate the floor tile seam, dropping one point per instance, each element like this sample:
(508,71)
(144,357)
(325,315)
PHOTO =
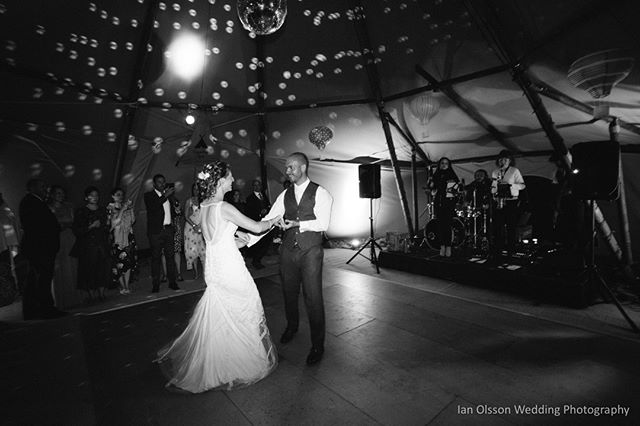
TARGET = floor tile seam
(514,311)
(339,394)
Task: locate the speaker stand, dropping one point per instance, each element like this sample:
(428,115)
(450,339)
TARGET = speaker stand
(593,276)
(371,242)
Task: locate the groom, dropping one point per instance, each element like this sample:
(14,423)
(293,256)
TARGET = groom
(306,210)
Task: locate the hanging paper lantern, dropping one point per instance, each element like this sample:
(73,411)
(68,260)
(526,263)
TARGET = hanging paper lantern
(320,136)
(262,17)
(424,107)
(599,72)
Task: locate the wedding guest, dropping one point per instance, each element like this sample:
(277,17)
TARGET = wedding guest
(256,207)
(40,244)
(64,279)
(194,245)
(9,246)
(91,228)
(177,219)
(160,230)
(124,255)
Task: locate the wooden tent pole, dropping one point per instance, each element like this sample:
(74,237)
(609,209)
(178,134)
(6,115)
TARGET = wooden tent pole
(262,123)
(134,90)
(374,82)
(627,253)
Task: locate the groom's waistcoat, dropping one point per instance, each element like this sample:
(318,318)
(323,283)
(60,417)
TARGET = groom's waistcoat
(301,212)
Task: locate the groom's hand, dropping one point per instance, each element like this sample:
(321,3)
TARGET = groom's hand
(287,224)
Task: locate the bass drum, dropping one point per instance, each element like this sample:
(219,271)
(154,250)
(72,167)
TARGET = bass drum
(433,240)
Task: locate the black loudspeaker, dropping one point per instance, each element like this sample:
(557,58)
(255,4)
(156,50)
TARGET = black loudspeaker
(369,179)
(595,167)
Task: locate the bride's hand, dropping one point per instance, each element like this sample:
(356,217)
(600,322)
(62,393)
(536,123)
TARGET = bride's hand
(242,238)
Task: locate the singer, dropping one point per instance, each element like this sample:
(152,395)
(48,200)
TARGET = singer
(444,185)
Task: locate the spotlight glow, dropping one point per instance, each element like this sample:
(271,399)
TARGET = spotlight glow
(186,56)
(355,242)
(575,171)
(190,119)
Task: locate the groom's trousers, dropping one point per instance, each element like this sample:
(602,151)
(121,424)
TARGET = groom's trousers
(303,268)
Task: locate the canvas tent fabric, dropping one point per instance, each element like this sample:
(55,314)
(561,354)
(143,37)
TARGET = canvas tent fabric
(89,95)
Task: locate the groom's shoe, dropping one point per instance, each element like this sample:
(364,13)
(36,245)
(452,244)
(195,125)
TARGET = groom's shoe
(287,336)
(315,355)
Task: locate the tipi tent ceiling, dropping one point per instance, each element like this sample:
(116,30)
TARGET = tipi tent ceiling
(70,73)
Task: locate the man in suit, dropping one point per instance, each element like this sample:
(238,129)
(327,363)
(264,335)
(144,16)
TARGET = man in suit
(256,207)
(40,244)
(159,203)
(306,211)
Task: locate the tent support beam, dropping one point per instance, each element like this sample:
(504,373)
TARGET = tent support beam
(134,89)
(552,93)
(469,109)
(374,82)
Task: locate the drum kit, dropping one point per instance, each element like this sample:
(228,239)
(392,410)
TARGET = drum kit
(470,226)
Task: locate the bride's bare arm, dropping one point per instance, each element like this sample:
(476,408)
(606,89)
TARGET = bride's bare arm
(233,215)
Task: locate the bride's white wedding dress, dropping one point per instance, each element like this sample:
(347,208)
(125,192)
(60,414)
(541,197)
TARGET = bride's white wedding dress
(226,343)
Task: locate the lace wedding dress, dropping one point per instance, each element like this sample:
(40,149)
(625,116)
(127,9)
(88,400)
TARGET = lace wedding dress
(227,343)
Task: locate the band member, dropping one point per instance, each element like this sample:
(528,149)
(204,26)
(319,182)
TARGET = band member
(479,191)
(444,186)
(507,182)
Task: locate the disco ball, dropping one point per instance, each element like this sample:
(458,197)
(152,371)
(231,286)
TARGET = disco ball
(262,17)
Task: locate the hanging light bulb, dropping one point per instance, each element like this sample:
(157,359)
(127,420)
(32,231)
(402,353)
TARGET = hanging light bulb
(262,17)
(190,118)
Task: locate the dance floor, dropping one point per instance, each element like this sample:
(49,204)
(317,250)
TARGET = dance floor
(401,349)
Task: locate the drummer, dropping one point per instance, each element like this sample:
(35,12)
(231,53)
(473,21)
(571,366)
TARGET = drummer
(444,183)
(482,186)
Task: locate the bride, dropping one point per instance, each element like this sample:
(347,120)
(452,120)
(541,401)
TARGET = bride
(226,344)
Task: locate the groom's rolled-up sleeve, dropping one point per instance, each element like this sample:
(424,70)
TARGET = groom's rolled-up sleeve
(322,211)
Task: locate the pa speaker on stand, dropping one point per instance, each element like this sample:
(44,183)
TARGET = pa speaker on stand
(369,187)
(595,176)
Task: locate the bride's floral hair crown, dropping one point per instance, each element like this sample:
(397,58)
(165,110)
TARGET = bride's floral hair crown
(207,179)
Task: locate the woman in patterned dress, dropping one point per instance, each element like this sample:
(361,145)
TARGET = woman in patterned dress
(123,243)
(194,246)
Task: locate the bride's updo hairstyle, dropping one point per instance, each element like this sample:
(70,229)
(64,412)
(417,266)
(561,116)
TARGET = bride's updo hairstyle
(208,178)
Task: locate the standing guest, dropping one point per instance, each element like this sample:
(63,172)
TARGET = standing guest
(160,230)
(64,279)
(91,228)
(306,207)
(194,246)
(233,197)
(9,245)
(227,343)
(444,186)
(507,182)
(256,207)
(178,239)
(40,244)
(124,255)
